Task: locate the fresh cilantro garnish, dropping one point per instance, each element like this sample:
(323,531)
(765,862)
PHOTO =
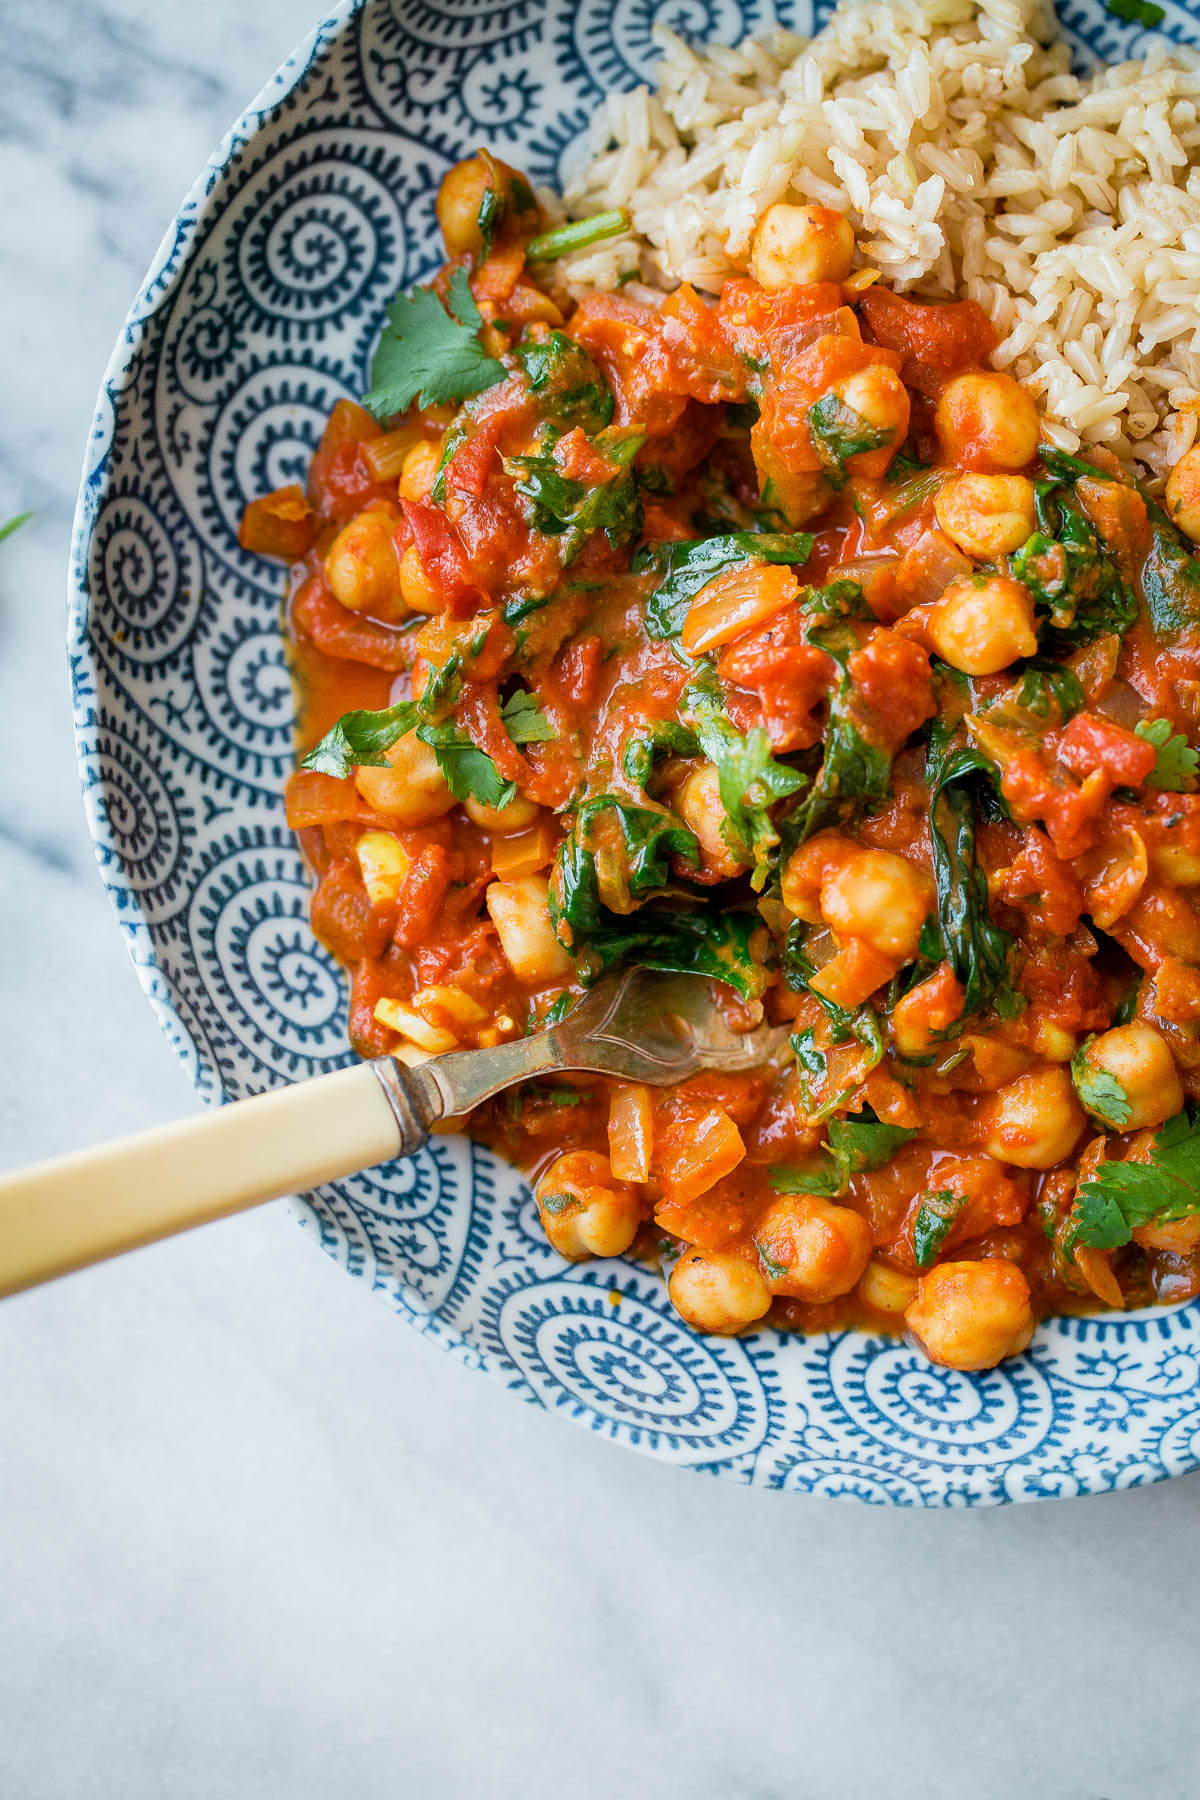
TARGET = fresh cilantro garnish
(1120,1196)
(361,739)
(1100,1093)
(854,1145)
(773,1268)
(524,720)
(866,1142)
(430,352)
(935,1216)
(14,524)
(839,432)
(470,772)
(1177,763)
(684,568)
(1136,12)
(750,778)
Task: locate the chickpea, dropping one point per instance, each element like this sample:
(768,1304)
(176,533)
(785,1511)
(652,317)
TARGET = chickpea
(986,515)
(1183,493)
(1140,1062)
(503,821)
(971,1315)
(520,911)
(886,1289)
(880,897)
(584,1210)
(411,789)
(794,245)
(982,624)
(715,1292)
(820,1247)
(877,395)
(987,421)
(363,565)
(460,197)
(698,802)
(419,471)
(416,590)
(1035,1121)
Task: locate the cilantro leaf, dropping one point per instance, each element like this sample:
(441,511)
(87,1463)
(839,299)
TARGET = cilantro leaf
(1100,1093)
(1120,1196)
(935,1216)
(825,1177)
(866,1143)
(430,352)
(360,739)
(470,772)
(684,568)
(1175,770)
(524,720)
(839,432)
(854,1145)
(750,778)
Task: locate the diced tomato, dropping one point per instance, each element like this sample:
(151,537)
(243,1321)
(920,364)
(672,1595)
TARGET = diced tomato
(347,636)
(943,334)
(422,895)
(1047,890)
(442,556)
(1089,743)
(343,917)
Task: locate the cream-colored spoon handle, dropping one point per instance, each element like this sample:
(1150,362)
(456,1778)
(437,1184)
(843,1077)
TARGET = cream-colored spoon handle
(78,1209)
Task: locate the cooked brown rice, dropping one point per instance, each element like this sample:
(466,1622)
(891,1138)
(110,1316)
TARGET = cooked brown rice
(971,160)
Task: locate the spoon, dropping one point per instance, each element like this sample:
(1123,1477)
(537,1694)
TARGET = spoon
(74,1210)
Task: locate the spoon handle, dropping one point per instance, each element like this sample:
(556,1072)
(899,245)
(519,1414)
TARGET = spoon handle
(79,1209)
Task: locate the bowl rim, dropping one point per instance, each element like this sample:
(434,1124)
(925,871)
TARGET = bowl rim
(170,260)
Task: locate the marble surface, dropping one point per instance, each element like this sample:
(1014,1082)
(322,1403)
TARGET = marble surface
(260,1540)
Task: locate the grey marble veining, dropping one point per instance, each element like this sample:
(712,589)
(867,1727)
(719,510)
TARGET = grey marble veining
(259,1539)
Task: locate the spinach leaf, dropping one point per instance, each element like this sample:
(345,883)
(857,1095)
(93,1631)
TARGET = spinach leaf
(569,389)
(751,780)
(841,599)
(560,506)
(839,432)
(936,1215)
(1170,579)
(854,772)
(684,568)
(964,934)
(1071,576)
(617,852)
(1047,688)
(662,737)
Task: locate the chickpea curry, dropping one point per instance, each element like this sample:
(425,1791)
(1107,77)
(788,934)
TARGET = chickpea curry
(766,639)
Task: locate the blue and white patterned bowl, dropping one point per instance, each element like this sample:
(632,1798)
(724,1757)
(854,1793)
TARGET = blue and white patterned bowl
(259,312)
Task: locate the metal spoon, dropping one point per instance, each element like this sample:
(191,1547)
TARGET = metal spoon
(79,1209)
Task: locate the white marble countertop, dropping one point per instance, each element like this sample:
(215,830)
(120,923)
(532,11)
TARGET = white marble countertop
(261,1540)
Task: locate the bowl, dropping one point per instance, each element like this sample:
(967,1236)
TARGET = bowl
(259,312)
